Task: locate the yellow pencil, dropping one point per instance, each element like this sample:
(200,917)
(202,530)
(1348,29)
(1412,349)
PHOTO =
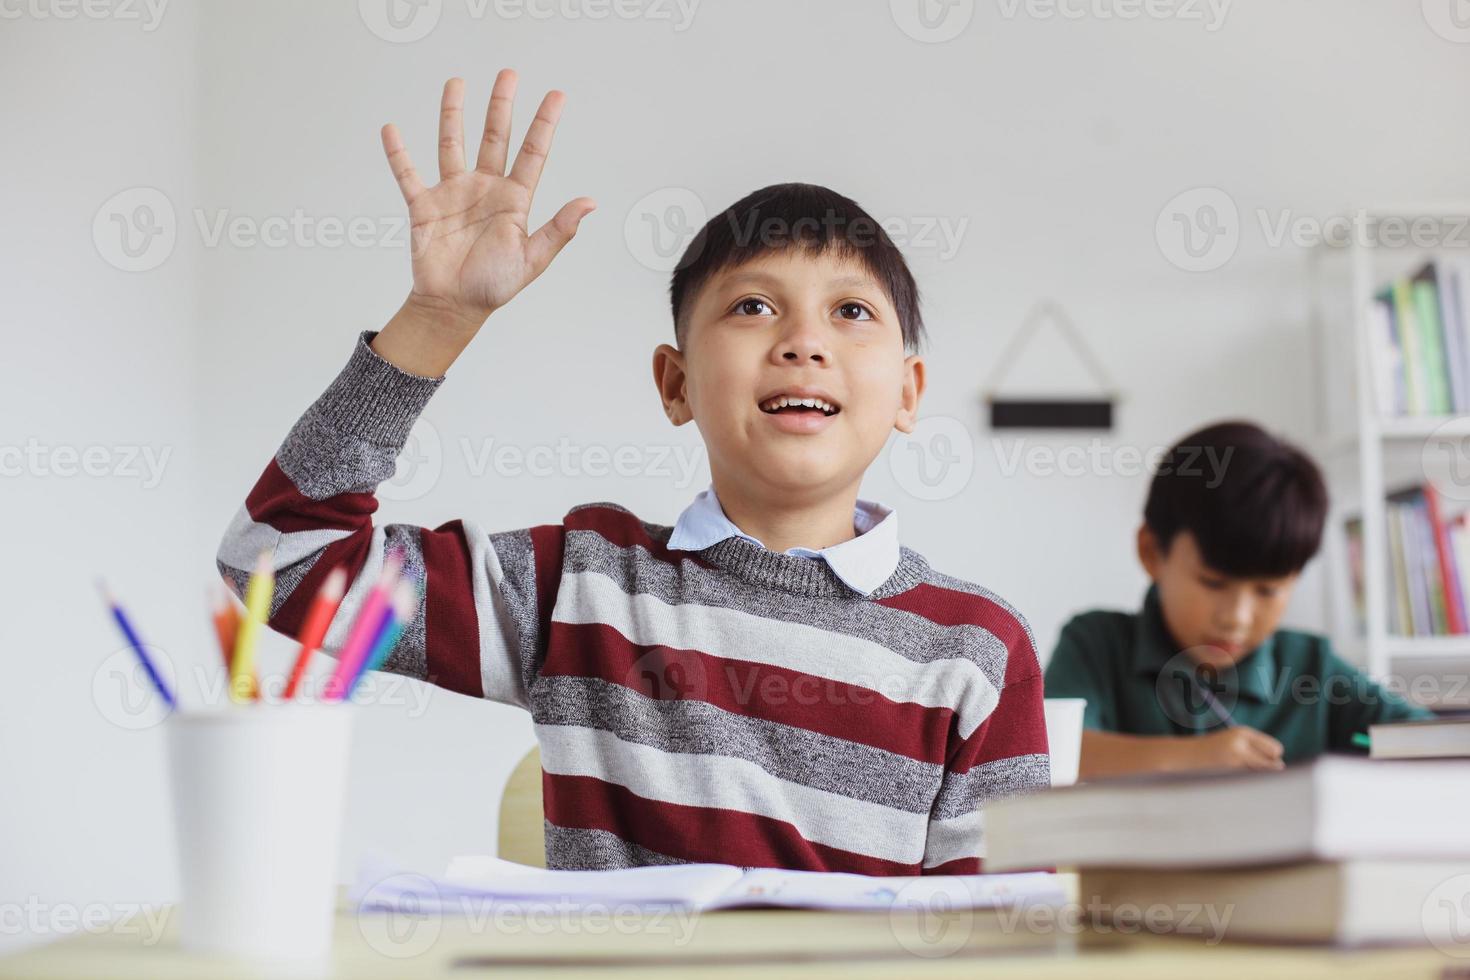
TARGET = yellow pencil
(257,609)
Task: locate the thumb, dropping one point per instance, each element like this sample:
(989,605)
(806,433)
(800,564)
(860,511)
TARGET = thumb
(553,236)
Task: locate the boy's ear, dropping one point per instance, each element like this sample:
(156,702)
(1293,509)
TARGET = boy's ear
(1150,552)
(668,377)
(913,390)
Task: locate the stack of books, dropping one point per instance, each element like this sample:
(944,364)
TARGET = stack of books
(1420,337)
(1343,850)
(1429,557)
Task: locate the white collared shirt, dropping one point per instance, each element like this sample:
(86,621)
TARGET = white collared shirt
(864,562)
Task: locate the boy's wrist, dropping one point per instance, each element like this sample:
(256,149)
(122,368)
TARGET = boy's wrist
(425,337)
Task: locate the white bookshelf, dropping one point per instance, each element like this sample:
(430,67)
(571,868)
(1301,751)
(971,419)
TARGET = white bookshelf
(1375,447)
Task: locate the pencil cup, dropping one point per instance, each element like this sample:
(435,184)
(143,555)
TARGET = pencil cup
(1064,736)
(258,793)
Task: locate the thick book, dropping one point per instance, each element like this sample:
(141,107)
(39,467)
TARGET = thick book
(1350,903)
(472,880)
(1334,808)
(1433,738)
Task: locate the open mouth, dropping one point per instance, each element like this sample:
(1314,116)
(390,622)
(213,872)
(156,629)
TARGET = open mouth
(793,405)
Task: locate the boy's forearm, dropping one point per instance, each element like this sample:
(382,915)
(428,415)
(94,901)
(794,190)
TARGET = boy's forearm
(425,340)
(1115,754)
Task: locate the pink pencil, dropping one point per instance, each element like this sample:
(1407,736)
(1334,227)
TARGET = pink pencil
(360,635)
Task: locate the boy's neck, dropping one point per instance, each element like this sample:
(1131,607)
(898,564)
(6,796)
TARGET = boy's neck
(782,524)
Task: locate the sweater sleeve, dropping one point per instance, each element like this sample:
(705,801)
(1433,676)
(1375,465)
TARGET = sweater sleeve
(480,626)
(1005,756)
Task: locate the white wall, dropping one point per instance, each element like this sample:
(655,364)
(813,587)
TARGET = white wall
(1054,142)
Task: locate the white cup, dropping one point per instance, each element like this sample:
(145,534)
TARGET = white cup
(259,791)
(1064,736)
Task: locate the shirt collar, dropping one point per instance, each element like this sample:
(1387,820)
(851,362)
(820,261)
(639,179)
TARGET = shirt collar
(863,562)
(1254,674)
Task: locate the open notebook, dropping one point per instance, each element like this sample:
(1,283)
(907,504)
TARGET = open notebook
(698,887)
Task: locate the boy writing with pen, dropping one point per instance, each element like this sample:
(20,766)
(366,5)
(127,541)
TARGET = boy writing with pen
(773,680)
(1202,677)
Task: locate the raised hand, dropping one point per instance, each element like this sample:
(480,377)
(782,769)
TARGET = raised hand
(471,248)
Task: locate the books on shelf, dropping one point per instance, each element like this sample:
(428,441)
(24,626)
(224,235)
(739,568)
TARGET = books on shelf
(1428,564)
(1420,342)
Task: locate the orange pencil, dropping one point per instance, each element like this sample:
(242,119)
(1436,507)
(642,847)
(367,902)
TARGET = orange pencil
(318,618)
(226,623)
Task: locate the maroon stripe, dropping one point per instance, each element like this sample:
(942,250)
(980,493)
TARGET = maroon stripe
(951,607)
(350,553)
(779,694)
(696,833)
(959,866)
(548,542)
(625,530)
(451,626)
(1016,727)
(275,501)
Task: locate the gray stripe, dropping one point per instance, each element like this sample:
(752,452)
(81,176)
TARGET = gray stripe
(910,636)
(518,591)
(409,656)
(693,727)
(966,792)
(575,849)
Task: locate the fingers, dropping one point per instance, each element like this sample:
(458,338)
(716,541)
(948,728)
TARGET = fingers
(496,141)
(451,129)
(403,170)
(551,237)
(537,144)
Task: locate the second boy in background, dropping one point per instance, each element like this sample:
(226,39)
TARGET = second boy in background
(1202,677)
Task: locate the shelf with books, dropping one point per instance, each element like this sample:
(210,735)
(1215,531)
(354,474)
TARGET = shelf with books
(1405,373)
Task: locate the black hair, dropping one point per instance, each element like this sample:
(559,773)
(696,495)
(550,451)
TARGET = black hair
(781,215)
(1255,504)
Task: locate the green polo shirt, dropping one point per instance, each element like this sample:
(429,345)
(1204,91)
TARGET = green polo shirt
(1292,687)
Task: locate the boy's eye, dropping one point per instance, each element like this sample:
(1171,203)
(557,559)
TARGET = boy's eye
(751,306)
(854,311)
(1212,583)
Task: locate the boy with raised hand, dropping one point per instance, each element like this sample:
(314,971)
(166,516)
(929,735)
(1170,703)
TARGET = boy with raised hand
(1202,677)
(774,680)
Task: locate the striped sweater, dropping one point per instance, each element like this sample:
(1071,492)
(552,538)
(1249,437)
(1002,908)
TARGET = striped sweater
(732,704)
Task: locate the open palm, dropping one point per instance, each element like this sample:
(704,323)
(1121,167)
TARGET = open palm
(470,245)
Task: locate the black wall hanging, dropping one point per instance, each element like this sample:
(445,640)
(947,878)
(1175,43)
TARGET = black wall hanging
(1049,411)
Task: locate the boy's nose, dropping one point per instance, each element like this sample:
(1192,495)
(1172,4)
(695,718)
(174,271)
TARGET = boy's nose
(803,342)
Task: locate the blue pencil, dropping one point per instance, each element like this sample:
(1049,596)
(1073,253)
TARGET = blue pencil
(131,636)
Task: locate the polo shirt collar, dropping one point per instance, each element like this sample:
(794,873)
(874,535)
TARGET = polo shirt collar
(1254,675)
(863,562)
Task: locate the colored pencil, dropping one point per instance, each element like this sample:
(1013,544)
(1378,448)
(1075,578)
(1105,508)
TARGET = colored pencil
(405,602)
(318,618)
(131,636)
(226,623)
(365,627)
(258,592)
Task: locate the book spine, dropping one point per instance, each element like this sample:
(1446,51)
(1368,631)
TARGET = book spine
(1436,363)
(1410,338)
(1445,557)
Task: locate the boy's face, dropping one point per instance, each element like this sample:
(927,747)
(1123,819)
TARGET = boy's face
(1217,617)
(792,321)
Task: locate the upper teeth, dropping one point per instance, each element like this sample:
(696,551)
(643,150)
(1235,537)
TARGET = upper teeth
(781,401)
